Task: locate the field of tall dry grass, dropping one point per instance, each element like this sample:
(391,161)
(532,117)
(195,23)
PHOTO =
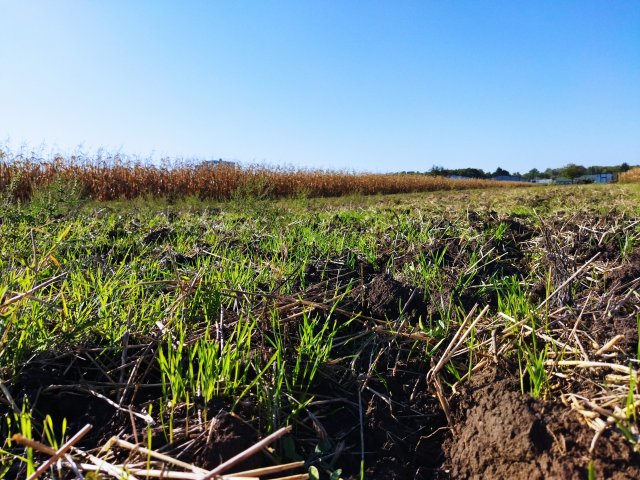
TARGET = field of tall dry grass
(114,178)
(630,176)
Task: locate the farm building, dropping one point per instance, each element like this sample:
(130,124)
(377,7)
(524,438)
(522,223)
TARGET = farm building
(597,178)
(562,181)
(509,178)
(219,163)
(543,181)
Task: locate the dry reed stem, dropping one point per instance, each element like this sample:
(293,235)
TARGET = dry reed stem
(29,292)
(22,440)
(530,330)
(299,476)
(115,471)
(9,397)
(27,442)
(159,456)
(247,453)
(609,345)
(61,451)
(450,351)
(100,465)
(581,402)
(168,474)
(457,340)
(568,280)
(442,398)
(585,364)
(273,469)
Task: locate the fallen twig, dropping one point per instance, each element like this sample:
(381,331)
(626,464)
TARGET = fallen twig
(247,453)
(61,451)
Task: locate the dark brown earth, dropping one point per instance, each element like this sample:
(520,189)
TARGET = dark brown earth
(386,296)
(501,433)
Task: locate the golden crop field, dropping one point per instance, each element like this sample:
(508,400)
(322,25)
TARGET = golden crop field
(630,176)
(115,179)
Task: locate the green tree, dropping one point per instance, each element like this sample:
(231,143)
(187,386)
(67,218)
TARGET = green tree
(573,171)
(551,173)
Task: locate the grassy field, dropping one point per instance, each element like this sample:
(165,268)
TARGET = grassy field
(428,335)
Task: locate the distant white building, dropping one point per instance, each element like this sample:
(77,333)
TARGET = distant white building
(562,181)
(597,178)
(510,178)
(543,181)
(219,163)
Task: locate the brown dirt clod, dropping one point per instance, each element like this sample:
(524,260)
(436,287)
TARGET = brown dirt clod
(503,434)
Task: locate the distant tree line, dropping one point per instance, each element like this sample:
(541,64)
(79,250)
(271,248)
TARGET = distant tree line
(570,171)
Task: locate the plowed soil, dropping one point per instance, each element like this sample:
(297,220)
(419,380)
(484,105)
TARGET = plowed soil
(501,433)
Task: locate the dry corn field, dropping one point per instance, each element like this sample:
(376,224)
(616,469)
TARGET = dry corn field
(630,176)
(113,179)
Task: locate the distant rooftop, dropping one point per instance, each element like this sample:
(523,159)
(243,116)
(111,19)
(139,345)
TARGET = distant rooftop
(219,162)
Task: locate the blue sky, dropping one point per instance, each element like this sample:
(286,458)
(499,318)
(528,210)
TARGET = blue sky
(356,85)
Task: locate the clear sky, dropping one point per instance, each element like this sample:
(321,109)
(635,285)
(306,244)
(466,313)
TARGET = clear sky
(340,84)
